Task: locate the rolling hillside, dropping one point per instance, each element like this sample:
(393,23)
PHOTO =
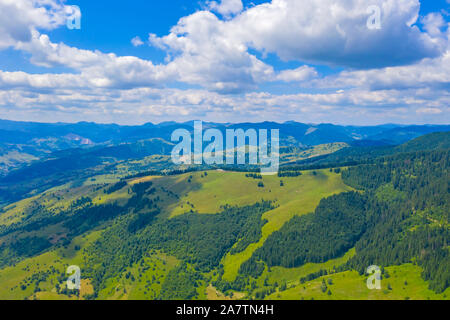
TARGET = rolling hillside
(208,234)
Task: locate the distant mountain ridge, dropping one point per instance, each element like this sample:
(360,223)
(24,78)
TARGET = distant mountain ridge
(358,153)
(23,142)
(307,134)
(77,164)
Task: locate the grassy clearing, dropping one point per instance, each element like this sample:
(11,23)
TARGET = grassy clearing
(59,199)
(312,152)
(13,213)
(405,282)
(298,196)
(291,276)
(213,294)
(209,193)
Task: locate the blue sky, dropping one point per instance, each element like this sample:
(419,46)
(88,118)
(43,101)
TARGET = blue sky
(109,25)
(281,60)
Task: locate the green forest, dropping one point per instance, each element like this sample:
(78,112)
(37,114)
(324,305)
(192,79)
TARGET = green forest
(157,235)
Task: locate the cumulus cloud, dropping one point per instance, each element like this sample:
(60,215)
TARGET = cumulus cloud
(429,111)
(429,73)
(136,41)
(18,18)
(226,7)
(159,104)
(94,67)
(300,74)
(205,51)
(434,23)
(335,32)
(396,73)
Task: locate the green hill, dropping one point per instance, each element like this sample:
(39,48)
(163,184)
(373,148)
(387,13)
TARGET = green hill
(209,234)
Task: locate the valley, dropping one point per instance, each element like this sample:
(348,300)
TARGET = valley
(144,230)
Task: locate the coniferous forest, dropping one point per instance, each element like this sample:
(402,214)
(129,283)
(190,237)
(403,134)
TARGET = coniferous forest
(401,216)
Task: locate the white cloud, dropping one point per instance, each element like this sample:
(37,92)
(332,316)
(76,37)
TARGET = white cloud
(18,18)
(96,68)
(206,52)
(222,55)
(433,24)
(57,97)
(429,73)
(226,7)
(136,41)
(300,74)
(215,54)
(429,111)
(335,32)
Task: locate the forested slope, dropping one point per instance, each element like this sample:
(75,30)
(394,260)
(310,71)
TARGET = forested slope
(402,217)
(173,236)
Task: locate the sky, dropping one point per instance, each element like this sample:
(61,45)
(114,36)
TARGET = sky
(358,62)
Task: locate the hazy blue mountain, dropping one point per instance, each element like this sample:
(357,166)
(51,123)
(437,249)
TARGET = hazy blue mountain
(23,142)
(309,134)
(403,134)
